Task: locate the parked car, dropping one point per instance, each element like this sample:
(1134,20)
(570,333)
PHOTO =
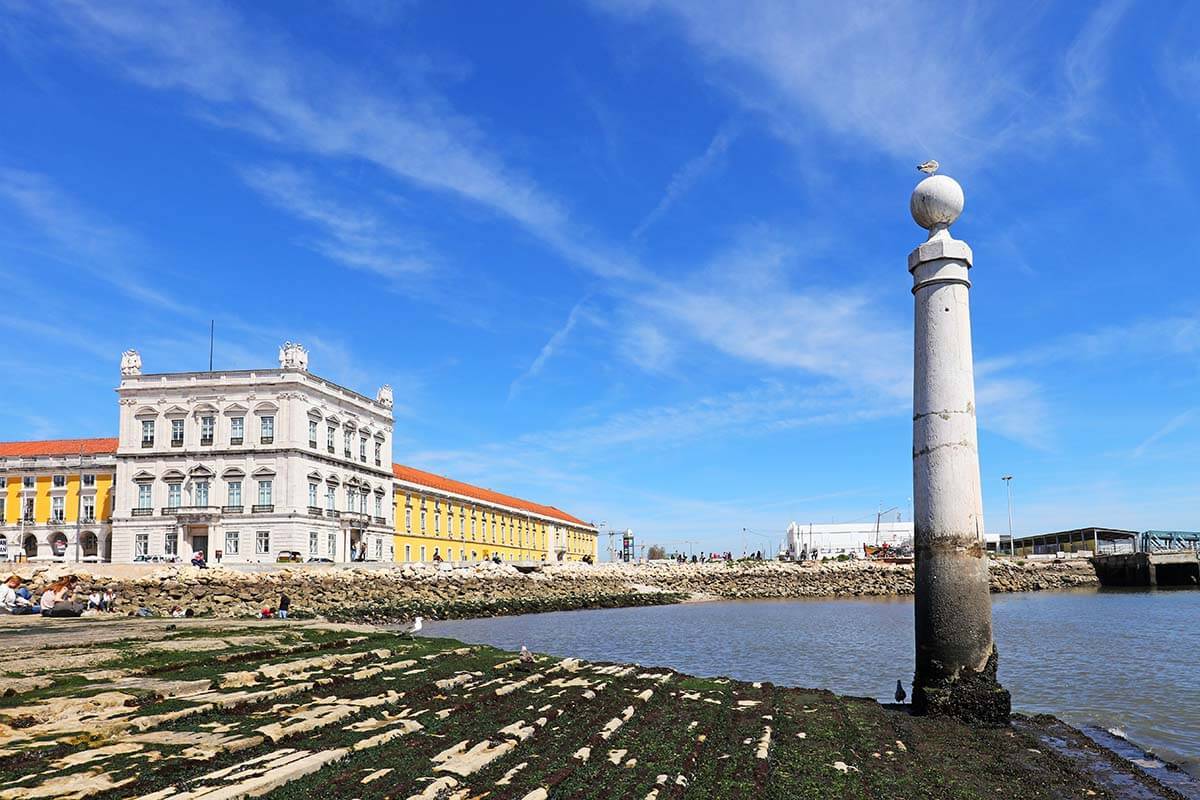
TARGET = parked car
(286,556)
(155,559)
(320,560)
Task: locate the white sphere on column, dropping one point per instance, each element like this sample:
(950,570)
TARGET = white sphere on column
(937,200)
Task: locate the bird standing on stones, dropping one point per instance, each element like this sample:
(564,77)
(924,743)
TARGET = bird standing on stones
(900,693)
(412,629)
(929,167)
(526,656)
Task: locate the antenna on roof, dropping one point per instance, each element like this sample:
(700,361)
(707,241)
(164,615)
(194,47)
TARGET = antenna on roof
(212,327)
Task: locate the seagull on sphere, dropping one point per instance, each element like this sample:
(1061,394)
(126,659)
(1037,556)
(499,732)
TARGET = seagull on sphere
(929,167)
(413,628)
(900,693)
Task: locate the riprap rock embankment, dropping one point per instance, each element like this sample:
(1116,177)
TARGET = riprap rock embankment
(382,593)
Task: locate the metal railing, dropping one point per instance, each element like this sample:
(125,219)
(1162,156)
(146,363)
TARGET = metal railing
(261,509)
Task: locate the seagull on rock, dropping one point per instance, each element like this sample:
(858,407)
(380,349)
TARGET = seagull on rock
(526,656)
(412,628)
(900,693)
(929,167)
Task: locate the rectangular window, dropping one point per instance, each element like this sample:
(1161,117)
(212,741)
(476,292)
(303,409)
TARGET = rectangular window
(264,493)
(173,495)
(89,509)
(313,538)
(329,438)
(362,502)
(201,493)
(57,509)
(147,433)
(88,480)
(408,520)
(237,429)
(408,552)
(27,482)
(330,498)
(141,544)
(59,481)
(346,439)
(332,542)
(378,453)
(437,518)
(362,449)
(379,549)
(422,552)
(144,490)
(422,524)
(312,433)
(262,543)
(231,543)
(176,433)
(3,516)
(207,426)
(267,430)
(350,499)
(171,543)
(379,505)
(235,494)
(312,494)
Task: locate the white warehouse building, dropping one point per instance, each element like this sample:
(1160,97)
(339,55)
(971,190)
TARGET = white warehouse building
(831,539)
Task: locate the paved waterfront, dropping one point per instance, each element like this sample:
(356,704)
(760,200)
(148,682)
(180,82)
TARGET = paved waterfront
(1117,659)
(154,709)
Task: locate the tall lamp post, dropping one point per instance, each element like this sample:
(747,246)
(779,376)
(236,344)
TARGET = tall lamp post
(1012,545)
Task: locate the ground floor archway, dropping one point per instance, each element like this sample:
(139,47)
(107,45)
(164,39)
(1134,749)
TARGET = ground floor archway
(58,544)
(30,546)
(89,545)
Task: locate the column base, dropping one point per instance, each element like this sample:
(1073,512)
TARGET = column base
(975,697)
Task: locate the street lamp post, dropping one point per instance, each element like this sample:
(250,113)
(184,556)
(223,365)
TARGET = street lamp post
(1012,547)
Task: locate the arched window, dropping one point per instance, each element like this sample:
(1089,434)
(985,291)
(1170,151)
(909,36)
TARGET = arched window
(30,546)
(58,544)
(89,544)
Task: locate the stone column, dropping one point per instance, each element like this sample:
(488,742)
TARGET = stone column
(956,658)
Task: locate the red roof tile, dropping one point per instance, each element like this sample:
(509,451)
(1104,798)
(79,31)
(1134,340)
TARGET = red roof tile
(58,447)
(445,484)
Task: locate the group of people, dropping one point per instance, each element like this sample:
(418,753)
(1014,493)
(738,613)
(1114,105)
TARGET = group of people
(58,599)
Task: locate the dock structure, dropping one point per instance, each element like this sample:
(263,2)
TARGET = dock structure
(1161,568)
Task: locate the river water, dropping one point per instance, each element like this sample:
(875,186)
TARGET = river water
(1112,658)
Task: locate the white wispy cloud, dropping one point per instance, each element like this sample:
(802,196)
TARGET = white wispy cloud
(256,81)
(353,236)
(910,89)
(690,174)
(552,346)
(1173,424)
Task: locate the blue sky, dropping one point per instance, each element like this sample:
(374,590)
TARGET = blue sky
(642,259)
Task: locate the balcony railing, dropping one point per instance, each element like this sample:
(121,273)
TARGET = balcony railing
(190,510)
(142,512)
(378,463)
(233,509)
(349,453)
(206,440)
(380,520)
(312,443)
(234,440)
(262,509)
(314,511)
(266,439)
(147,443)
(177,443)
(332,514)
(356,516)
(330,448)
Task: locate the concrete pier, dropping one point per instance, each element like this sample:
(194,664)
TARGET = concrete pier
(1169,568)
(955,656)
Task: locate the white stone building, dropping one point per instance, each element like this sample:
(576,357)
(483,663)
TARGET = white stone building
(243,465)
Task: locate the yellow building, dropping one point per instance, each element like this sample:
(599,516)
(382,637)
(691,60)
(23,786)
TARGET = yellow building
(438,518)
(56,499)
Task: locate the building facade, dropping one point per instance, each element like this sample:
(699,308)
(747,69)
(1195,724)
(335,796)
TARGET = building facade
(56,499)
(441,518)
(246,466)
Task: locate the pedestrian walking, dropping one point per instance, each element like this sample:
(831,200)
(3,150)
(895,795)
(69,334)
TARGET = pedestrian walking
(285,603)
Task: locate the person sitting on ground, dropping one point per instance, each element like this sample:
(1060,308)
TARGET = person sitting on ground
(56,600)
(176,611)
(198,560)
(14,600)
(266,613)
(108,600)
(95,601)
